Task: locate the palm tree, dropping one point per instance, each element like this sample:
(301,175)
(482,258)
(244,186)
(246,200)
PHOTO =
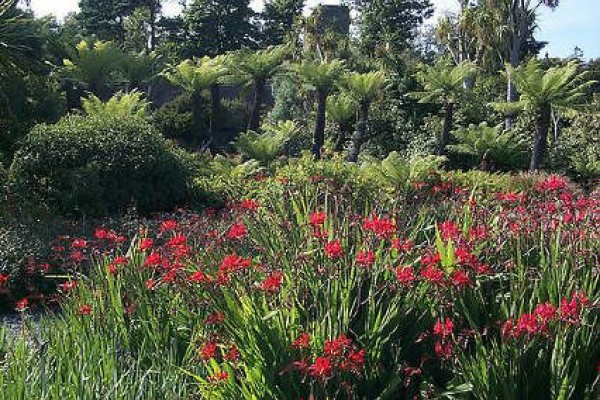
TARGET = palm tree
(20,41)
(444,83)
(195,76)
(561,88)
(341,111)
(364,89)
(255,69)
(491,146)
(322,78)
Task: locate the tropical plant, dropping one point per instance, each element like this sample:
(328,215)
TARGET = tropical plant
(443,83)
(265,147)
(121,105)
(196,76)
(96,68)
(320,77)
(400,174)
(254,69)
(365,89)
(561,88)
(341,111)
(20,41)
(491,147)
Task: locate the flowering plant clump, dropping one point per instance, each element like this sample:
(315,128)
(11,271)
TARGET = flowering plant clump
(300,292)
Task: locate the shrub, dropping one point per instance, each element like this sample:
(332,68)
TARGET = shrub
(122,104)
(175,119)
(99,165)
(490,148)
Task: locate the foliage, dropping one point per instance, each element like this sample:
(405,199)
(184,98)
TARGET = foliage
(300,287)
(562,87)
(232,19)
(490,147)
(121,105)
(398,174)
(197,74)
(98,165)
(265,147)
(442,82)
(175,118)
(20,39)
(96,67)
(389,26)
(279,17)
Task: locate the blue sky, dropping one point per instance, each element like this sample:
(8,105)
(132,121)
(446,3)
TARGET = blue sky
(574,23)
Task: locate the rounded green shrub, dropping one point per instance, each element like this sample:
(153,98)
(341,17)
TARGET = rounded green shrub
(100,165)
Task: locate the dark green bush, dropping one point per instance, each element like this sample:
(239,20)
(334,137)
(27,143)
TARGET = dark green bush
(175,119)
(95,166)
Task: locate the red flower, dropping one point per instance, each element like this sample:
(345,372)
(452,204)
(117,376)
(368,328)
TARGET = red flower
(232,354)
(68,286)
(233,262)
(85,310)
(365,258)
(321,368)
(79,244)
(199,277)
(432,275)
(337,346)
(333,249)
(444,350)
(208,351)
(22,304)
(151,284)
(545,311)
(249,204)
(552,184)
(354,362)
(400,245)
(460,279)
(216,318)
(405,276)
(153,260)
(218,377)
(448,230)
(443,329)
(168,225)
(317,219)
(382,227)
(302,342)
(237,231)
(3,279)
(272,283)
(146,244)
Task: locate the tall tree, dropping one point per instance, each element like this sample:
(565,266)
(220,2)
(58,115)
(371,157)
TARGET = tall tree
(559,88)
(364,89)
(104,19)
(278,18)
(218,26)
(390,25)
(443,83)
(321,78)
(255,69)
(519,17)
(195,76)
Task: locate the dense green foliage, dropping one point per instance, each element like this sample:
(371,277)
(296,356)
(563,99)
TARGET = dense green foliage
(97,165)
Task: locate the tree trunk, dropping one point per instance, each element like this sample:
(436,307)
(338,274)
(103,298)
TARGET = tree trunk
(340,139)
(153,6)
(319,135)
(196,101)
(215,97)
(361,133)
(447,127)
(254,121)
(542,124)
